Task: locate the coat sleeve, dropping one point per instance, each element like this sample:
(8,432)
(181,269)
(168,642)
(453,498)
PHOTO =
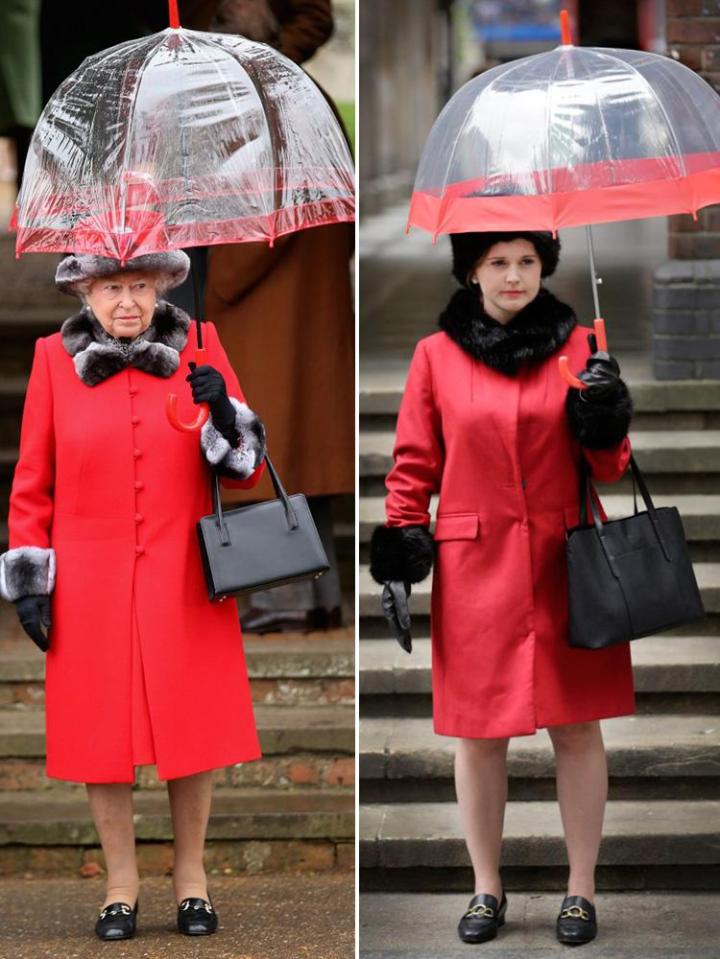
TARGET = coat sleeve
(241,467)
(28,567)
(308,25)
(403,548)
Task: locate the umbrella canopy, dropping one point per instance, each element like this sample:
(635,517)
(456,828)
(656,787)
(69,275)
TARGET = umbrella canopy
(182,139)
(574,136)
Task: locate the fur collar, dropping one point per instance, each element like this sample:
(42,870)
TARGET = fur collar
(97,355)
(537,331)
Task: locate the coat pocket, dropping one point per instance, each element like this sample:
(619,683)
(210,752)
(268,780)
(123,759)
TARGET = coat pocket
(456,526)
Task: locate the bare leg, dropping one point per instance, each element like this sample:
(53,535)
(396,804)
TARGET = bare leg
(481,787)
(111,806)
(582,786)
(190,798)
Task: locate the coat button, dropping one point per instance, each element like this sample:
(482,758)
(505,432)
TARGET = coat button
(137,454)
(135,420)
(139,550)
(139,484)
(139,517)
(133,391)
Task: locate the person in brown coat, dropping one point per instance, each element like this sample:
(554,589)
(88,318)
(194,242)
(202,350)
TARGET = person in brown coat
(285,318)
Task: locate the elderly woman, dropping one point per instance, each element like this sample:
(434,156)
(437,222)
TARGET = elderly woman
(487,423)
(105,570)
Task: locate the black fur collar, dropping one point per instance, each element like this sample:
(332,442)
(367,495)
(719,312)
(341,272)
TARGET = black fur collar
(97,355)
(537,331)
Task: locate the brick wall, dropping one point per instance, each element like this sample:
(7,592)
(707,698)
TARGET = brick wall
(686,294)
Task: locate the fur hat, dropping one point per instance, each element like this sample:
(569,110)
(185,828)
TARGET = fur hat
(78,268)
(468,248)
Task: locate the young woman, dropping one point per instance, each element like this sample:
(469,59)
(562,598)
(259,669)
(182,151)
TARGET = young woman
(487,423)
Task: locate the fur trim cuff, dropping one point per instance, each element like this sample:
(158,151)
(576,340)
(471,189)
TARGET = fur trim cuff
(599,426)
(245,459)
(27,571)
(402,553)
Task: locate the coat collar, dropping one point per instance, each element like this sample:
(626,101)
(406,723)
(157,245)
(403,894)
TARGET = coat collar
(537,331)
(97,355)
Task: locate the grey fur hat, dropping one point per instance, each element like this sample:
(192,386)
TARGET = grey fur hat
(78,268)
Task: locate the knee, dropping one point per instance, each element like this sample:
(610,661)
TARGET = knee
(479,748)
(576,737)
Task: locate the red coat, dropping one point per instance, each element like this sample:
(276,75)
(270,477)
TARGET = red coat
(499,451)
(142,668)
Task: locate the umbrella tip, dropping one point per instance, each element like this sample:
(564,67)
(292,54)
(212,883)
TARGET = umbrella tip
(173,14)
(565,34)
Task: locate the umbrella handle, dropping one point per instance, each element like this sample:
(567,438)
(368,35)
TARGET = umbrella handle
(171,405)
(564,364)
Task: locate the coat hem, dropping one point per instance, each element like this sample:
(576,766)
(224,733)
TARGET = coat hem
(163,775)
(453,729)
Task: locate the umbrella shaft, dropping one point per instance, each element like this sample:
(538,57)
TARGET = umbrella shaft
(595,279)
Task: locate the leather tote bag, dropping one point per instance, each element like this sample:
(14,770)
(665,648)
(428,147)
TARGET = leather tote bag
(261,545)
(631,577)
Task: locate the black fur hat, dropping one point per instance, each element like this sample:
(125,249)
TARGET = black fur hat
(468,248)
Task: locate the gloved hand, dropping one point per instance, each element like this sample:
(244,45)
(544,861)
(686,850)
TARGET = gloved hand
(395,609)
(208,386)
(34,614)
(601,375)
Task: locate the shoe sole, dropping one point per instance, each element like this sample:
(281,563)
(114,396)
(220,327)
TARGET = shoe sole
(574,941)
(206,932)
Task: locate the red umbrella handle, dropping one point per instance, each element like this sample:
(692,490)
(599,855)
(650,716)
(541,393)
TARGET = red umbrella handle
(203,411)
(563,362)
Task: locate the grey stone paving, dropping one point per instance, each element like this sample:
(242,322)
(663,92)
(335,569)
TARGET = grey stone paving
(631,926)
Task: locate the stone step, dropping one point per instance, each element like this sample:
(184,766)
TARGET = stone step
(283,671)
(283,730)
(700,513)
(661,664)
(370,592)
(49,819)
(651,843)
(649,748)
(656,451)
(633,925)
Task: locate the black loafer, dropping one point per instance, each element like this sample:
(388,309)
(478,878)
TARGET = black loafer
(196,917)
(483,918)
(577,922)
(117,921)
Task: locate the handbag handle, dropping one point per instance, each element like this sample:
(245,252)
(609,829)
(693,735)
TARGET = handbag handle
(290,515)
(588,492)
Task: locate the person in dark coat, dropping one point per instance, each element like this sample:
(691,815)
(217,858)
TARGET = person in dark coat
(289,307)
(488,424)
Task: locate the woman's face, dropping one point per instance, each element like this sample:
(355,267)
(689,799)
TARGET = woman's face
(509,278)
(124,303)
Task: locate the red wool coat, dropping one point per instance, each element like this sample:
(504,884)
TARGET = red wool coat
(142,668)
(499,451)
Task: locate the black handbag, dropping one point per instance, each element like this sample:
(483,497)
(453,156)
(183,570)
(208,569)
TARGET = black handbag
(261,545)
(630,577)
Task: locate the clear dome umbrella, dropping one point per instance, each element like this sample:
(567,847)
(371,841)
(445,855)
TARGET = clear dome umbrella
(571,137)
(182,139)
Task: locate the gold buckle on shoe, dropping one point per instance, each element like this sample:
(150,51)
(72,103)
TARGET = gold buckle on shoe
(480,911)
(575,912)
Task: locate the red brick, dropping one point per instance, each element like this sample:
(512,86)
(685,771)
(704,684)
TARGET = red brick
(345,853)
(341,691)
(302,773)
(705,30)
(23,774)
(341,772)
(254,857)
(91,870)
(684,8)
(710,59)
(54,860)
(689,55)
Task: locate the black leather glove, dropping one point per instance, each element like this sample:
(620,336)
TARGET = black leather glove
(395,609)
(34,614)
(208,386)
(601,375)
